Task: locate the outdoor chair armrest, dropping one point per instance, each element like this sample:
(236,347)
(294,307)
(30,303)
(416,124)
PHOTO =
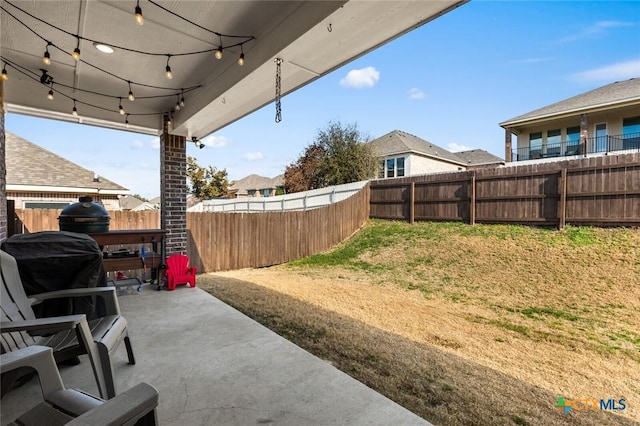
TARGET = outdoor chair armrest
(42,326)
(39,358)
(124,409)
(108,294)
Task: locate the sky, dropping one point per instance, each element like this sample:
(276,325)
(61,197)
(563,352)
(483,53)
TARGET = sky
(450,82)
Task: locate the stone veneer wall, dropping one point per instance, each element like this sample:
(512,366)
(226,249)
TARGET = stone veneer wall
(173,190)
(3,171)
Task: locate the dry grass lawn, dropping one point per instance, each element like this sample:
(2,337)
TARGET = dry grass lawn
(465,325)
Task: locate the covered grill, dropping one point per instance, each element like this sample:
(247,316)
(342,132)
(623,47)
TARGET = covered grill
(84,216)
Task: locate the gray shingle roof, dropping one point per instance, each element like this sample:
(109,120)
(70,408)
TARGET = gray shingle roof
(475,157)
(614,93)
(256,182)
(32,165)
(398,142)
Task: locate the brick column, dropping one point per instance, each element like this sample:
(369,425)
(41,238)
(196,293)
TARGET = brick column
(173,190)
(508,146)
(3,171)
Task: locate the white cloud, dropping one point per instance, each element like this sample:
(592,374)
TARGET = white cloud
(155,143)
(216,141)
(415,93)
(596,30)
(614,72)
(253,156)
(139,144)
(362,78)
(454,147)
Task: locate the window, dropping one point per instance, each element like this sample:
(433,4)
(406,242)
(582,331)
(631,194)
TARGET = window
(44,205)
(554,141)
(266,192)
(601,137)
(631,133)
(391,166)
(400,167)
(535,145)
(573,140)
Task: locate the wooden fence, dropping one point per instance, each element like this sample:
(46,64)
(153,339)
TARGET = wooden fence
(34,220)
(226,241)
(595,191)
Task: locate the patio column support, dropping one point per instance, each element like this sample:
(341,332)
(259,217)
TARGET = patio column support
(3,171)
(508,146)
(173,190)
(584,133)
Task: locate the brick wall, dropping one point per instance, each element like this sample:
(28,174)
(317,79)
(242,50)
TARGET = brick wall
(3,170)
(173,190)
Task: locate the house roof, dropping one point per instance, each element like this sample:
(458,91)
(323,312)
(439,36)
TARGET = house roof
(129,202)
(619,93)
(476,157)
(398,142)
(256,182)
(33,168)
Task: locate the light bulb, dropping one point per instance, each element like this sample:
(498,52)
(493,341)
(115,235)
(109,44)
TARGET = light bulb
(46,58)
(241,59)
(139,17)
(50,95)
(177,108)
(120,109)
(131,97)
(74,111)
(168,73)
(218,53)
(5,76)
(182,101)
(76,54)
(126,122)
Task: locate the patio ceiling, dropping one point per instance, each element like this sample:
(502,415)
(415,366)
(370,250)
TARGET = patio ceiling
(311,37)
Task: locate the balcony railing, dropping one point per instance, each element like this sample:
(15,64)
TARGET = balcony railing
(628,142)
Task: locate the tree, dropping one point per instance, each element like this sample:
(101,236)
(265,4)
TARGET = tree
(337,155)
(206,182)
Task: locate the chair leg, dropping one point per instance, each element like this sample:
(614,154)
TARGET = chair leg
(107,372)
(127,344)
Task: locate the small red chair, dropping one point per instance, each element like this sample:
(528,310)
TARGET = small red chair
(178,272)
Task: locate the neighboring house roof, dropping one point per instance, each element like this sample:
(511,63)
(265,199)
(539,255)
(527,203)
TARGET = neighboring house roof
(129,202)
(397,142)
(256,182)
(33,168)
(615,94)
(478,157)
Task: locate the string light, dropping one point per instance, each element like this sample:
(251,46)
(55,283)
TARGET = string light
(126,121)
(168,72)
(139,18)
(182,99)
(241,58)
(76,51)
(131,97)
(218,53)
(46,58)
(120,109)
(5,76)
(177,107)
(74,111)
(50,94)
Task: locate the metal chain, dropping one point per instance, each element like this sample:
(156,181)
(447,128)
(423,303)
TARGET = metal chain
(278,62)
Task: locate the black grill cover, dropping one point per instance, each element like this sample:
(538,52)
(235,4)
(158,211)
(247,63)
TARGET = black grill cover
(58,260)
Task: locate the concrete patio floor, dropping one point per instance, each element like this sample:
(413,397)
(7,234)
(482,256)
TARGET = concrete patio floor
(214,366)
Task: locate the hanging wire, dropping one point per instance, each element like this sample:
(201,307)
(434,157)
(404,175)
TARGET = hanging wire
(278,62)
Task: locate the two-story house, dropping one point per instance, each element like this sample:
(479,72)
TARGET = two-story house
(606,119)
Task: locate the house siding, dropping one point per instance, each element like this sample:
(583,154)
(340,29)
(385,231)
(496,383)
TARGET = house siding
(419,165)
(110,202)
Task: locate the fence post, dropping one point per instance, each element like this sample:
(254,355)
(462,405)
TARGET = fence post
(472,199)
(412,202)
(562,201)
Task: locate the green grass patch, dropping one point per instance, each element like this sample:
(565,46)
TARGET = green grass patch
(534,312)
